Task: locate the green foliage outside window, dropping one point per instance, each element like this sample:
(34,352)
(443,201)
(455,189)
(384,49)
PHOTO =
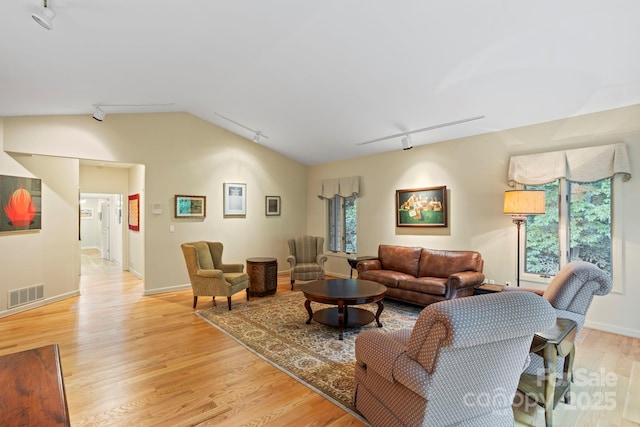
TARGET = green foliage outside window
(589,227)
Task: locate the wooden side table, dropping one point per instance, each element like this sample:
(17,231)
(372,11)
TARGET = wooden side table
(263,276)
(487,288)
(353,262)
(557,341)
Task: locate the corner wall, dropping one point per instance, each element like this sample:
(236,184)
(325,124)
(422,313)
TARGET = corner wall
(51,255)
(181,154)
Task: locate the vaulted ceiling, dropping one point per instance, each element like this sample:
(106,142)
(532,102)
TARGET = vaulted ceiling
(319,77)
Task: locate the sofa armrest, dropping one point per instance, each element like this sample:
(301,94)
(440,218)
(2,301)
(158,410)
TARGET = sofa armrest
(368,264)
(369,353)
(321,259)
(465,279)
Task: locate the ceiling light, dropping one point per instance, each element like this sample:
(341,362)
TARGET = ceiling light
(44,16)
(257,134)
(406,143)
(405,134)
(98,114)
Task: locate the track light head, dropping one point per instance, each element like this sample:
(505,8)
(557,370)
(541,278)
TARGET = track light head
(406,142)
(98,114)
(44,17)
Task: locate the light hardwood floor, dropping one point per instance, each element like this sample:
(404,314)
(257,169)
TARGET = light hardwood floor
(134,360)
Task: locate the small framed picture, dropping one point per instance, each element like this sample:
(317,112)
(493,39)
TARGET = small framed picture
(86,213)
(134,212)
(235,199)
(272,205)
(190,206)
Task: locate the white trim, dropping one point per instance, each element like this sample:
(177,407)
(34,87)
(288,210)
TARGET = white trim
(617,236)
(607,327)
(167,289)
(40,303)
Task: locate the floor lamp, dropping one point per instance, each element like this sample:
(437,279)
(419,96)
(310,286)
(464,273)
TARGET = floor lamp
(520,204)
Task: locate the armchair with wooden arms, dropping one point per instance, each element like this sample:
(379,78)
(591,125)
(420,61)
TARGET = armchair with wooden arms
(306,258)
(459,365)
(209,276)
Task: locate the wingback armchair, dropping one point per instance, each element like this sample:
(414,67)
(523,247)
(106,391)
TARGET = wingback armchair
(209,276)
(306,258)
(570,293)
(460,364)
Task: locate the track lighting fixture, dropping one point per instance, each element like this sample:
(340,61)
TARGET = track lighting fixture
(411,132)
(98,114)
(406,142)
(257,134)
(44,16)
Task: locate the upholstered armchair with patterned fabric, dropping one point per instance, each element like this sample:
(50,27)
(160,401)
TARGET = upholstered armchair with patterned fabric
(306,258)
(459,365)
(570,293)
(209,276)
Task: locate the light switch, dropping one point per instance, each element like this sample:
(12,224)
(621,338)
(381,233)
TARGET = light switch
(172,228)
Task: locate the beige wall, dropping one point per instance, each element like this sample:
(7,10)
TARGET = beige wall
(50,256)
(177,154)
(474,170)
(184,155)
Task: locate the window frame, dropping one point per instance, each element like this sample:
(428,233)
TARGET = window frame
(617,234)
(336,225)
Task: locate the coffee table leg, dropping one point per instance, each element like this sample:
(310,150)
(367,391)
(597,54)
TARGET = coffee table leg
(380,308)
(341,318)
(307,305)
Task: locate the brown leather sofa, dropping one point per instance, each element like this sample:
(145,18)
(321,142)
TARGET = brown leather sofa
(423,276)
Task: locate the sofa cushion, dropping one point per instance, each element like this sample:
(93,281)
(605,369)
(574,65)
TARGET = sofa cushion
(428,285)
(388,278)
(437,263)
(400,258)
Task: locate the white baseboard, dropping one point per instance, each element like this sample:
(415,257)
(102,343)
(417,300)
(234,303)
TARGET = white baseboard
(135,273)
(167,289)
(339,275)
(39,303)
(606,327)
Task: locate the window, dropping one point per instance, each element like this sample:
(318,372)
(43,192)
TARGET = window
(342,224)
(577,225)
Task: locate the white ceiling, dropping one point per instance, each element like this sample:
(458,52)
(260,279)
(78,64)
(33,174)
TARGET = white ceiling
(318,77)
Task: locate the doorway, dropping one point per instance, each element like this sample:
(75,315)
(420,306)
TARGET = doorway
(101,233)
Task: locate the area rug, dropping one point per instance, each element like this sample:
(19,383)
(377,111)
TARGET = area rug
(274,328)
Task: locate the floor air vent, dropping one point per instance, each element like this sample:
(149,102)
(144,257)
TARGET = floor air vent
(23,296)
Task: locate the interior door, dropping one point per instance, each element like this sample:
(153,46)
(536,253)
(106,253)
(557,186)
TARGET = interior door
(105,244)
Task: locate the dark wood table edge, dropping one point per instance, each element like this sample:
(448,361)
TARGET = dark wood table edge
(343,306)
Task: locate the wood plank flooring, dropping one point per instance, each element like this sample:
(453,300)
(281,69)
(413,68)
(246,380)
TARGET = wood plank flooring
(134,360)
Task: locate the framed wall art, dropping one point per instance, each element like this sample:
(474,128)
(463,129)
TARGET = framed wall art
(86,213)
(190,206)
(21,200)
(421,207)
(134,212)
(272,205)
(235,199)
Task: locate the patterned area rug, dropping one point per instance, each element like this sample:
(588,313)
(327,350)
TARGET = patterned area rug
(275,329)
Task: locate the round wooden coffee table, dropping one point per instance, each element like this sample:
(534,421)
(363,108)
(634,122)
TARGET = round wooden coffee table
(344,293)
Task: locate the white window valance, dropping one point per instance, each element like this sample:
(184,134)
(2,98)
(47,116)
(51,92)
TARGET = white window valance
(343,187)
(580,165)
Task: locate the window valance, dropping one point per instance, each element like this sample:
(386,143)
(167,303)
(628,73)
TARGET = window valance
(580,165)
(343,187)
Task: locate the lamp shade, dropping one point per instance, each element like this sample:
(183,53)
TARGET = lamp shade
(524,202)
